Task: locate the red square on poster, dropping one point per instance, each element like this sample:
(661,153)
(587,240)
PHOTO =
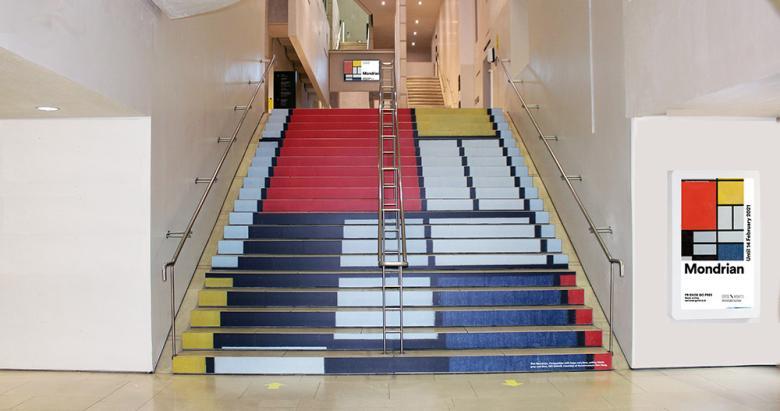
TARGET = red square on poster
(699,205)
(347,66)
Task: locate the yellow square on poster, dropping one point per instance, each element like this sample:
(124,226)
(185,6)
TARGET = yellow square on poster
(357,63)
(731,192)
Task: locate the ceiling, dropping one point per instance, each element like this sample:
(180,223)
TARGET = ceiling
(428,14)
(185,8)
(760,98)
(384,21)
(25,86)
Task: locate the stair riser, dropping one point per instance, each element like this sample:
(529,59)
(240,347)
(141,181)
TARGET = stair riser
(412,341)
(394,365)
(345,247)
(445,181)
(370,205)
(369,161)
(410,192)
(374,280)
(470,154)
(414,318)
(349,298)
(413,231)
(369,171)
(412,218)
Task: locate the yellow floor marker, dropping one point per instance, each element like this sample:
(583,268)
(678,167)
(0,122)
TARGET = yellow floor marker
(512,383)
(274,386)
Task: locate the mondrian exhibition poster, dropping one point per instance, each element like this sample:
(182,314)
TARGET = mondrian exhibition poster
(715,247)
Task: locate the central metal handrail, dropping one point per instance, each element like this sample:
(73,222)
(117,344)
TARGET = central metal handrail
(393,207)
(171,264)
(567,179)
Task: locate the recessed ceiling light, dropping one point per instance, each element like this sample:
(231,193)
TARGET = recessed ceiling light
(419,3)
(47,108)
(414,33)
(384,2)
(417,22)
(413,43)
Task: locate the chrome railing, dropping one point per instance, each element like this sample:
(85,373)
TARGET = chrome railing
(568,179)
(169,270)
(390,207)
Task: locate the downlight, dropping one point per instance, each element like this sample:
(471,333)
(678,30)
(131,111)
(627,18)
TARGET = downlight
(47,108)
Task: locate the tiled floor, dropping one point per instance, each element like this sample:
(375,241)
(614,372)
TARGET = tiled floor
(745,388)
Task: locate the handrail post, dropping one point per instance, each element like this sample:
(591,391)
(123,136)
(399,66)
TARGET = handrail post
(169,269)
(567,178)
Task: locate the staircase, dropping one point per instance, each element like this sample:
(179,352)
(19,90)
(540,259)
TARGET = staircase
(295,287)
(424,92)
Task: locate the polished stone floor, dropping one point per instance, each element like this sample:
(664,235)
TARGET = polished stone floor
(742,388)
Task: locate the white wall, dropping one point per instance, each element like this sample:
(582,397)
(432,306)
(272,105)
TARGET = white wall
(419,69)
(658,146)
(588,114)
(680,50)
(186,74)
(309,33)
(75,243)
(455,40)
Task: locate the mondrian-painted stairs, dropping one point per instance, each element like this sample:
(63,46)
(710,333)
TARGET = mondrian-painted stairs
(295,287)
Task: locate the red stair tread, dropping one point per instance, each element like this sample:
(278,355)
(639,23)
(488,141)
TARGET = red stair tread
(326,205)
(334,193)
(341,142)
(343,181)
(350,125)
(338,151)
(365,161)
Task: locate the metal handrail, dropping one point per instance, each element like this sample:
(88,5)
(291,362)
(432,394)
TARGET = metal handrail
(171,264)
(397,207)
(593,229)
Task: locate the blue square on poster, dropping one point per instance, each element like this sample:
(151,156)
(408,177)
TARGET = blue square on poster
(730,252)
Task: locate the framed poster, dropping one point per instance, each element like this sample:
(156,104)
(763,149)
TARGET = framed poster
(361,70)
(715,244)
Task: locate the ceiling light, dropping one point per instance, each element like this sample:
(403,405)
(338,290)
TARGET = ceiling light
(414,33)
(413,43)
(384,2)
(417,22)
(419,3)
(47,108)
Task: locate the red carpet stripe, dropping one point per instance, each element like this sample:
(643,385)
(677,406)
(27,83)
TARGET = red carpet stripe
(333,155)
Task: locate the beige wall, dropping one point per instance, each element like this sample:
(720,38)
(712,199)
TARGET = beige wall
(592,65)
(309,32)
(587,113)
(420,69)
(680,51)
(74,244)
(455,39)
(185,74)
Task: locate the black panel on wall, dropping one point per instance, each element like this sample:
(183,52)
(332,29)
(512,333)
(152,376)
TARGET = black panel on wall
(284,89)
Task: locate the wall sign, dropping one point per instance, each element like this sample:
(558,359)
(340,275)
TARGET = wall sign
(715,244)
(361,70)
(285,89)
